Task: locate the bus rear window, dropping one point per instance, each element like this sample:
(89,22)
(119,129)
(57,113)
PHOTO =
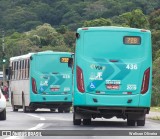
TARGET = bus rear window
(51,63)
(132,40)
(100,44)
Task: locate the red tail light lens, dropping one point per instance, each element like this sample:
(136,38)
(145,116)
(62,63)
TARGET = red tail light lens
(34,86)
(145,82)
(80,81)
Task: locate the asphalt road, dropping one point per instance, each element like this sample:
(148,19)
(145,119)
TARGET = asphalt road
(47,121)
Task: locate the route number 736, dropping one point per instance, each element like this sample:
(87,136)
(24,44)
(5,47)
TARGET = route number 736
(132,66)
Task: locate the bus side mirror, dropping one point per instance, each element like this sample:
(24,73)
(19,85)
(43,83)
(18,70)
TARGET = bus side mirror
(70,62)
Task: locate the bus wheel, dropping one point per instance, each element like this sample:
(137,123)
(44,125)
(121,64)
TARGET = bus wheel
(60,110)
(23,106)
(140,122)
(76,121)
(32,110)
(3,115)
(67,110)
(52,109)
(12,103)
(131,122)
(86,121)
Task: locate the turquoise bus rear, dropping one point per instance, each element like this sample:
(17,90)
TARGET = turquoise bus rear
(41,80)
(112,74)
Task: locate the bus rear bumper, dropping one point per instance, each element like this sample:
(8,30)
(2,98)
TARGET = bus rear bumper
(109,112)
(35,105)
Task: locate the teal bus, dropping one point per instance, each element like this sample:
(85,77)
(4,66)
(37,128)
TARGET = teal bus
(112,74)
(41,80)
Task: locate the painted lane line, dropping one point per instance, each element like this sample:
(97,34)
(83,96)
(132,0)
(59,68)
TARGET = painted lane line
(41,118)
(12,137)
(40,125)
(37,126)
(33,128)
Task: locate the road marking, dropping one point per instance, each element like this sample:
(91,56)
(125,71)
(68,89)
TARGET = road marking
(36,127)
(39,125)
(41,118)
(33,128)
(12,137)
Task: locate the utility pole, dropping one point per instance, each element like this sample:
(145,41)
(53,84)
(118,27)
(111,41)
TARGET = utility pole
(3,59)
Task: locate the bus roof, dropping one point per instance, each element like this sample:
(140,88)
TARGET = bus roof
(114,28)
(53,52)
(21,57)
(38,53)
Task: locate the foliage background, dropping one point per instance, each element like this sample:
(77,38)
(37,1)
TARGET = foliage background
(38,25)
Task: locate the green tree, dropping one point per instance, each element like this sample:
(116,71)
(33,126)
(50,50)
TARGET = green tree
(156,83)
(98,22)
(62,29)
(45,35)
(15,18)
(94,10)
(69,39)
(155,43)
(135,19)
(71,17)
(154,19)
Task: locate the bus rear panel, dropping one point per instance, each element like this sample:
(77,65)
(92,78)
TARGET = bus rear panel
(41,80)
(112,74)
(51,81)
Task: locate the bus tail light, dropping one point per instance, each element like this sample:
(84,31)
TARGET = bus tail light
(145,82)
(34,86)
(80,81)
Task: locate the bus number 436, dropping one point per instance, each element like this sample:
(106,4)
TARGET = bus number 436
(132,66)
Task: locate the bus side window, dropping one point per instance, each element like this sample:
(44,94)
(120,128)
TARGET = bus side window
(22,69)
(12,71)
(28,68)
(25,74)
(14,65)
(17,69)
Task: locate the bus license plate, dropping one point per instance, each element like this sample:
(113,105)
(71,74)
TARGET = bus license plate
(112,86)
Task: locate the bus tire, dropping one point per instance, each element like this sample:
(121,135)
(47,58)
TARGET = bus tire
(23,106)
(86,121)
(32,110)
(67,110)
(52,109)
(3,115)
(140,122)
(12,103)
(60,110)
(76,121)
(131,122)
